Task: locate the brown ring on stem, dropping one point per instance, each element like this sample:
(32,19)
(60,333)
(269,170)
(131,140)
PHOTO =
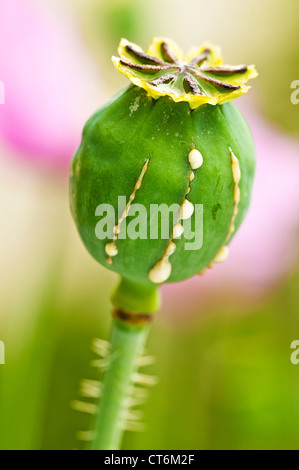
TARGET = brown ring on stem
(136,319)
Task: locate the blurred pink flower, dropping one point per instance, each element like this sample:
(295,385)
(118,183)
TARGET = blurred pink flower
(266,246)
(49,82)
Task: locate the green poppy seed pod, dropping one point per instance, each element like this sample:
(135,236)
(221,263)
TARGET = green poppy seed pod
(173,140)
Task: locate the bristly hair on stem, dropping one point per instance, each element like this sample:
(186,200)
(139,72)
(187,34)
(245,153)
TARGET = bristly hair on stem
(123,387)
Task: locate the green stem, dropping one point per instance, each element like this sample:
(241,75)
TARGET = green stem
(127,343)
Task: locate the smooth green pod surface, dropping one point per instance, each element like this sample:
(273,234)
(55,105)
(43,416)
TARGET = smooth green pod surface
(132,129)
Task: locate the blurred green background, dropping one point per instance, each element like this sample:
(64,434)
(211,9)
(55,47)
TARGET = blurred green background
(223,356)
